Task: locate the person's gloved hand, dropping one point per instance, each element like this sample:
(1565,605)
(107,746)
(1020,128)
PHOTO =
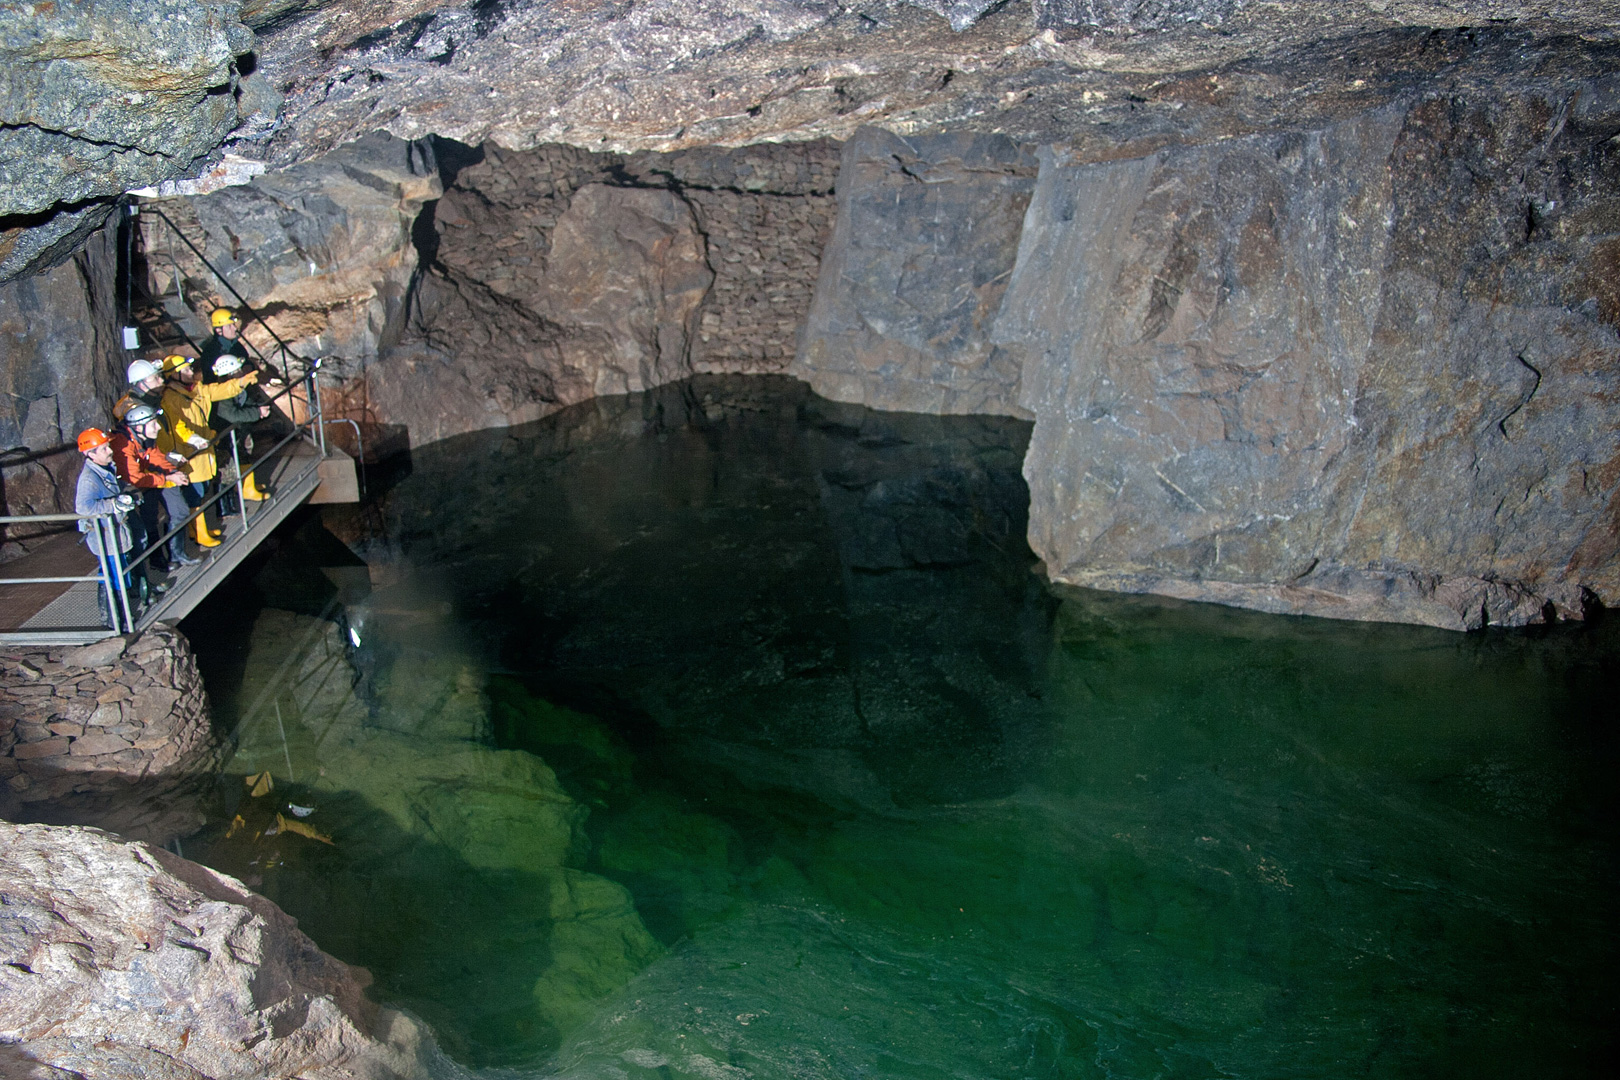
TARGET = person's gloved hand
(198,441)
(124,502)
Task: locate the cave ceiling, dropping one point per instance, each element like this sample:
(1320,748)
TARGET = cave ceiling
(104,97)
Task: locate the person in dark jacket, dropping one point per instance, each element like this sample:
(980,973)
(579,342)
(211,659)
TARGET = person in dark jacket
(225,341)
(242,411)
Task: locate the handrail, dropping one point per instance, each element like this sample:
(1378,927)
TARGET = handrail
(115,575)
(231,429)
(286,350)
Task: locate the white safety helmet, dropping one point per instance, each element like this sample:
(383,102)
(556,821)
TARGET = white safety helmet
(227,365)
(141,370)
(140,414)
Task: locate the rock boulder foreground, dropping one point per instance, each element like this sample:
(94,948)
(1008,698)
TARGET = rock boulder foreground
(122,960)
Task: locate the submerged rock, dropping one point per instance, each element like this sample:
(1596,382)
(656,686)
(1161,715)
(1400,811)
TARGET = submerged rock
(464,851)
(119,959)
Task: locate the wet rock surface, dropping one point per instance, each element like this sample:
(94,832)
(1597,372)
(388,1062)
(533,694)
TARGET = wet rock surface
(120,959)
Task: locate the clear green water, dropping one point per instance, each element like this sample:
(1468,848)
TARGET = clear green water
(724,732)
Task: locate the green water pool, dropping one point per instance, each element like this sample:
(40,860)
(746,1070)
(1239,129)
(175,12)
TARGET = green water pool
(725,732)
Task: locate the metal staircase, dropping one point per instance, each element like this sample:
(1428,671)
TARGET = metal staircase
(49,596)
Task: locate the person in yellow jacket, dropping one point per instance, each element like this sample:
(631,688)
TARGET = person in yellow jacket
(187,403)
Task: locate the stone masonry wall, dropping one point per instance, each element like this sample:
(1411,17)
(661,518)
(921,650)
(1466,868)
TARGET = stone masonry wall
(766,212)
(82,724)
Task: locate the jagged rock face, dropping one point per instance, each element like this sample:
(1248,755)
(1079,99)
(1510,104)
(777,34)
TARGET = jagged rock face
(927,232)
(322,251)
(556,275)
(99,98)
(669,74)
(1365,371)
(119,959)
(676,73)
(62,372)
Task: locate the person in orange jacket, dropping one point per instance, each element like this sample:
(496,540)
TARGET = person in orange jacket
(186,406)
(154,475)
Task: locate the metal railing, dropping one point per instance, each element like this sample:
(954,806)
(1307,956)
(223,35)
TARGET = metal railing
(113,577)
(123,609)
(117,575)
(243,308)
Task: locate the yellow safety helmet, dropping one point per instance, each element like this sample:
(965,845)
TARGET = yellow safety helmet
(221,316)
(174,363)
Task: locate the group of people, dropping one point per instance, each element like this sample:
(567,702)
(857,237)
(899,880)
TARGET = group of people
(157,465)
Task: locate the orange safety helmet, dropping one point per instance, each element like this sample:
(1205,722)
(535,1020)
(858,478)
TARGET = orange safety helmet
(92,437)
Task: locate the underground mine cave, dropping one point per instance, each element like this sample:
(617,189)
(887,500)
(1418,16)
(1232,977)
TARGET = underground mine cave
(911,539)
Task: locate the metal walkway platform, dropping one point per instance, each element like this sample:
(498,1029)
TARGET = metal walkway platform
(68,613)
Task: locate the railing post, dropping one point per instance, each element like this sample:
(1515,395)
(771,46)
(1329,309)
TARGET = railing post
(106,575)
(116,557)
(317,407)
(241,503)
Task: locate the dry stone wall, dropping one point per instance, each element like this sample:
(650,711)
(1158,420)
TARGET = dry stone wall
(103,733)
(559,274)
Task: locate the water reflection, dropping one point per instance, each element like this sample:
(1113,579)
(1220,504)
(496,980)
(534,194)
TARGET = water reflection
(725,731)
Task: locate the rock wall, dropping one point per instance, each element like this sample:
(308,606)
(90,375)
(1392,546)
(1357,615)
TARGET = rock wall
(99,98)
(62,370)
(927,231)
(1364,371)
(558,274)
(120,959)
(322,250)
(100,735)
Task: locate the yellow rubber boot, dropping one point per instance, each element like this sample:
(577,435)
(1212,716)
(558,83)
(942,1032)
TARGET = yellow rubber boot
(199,532)
(250,489)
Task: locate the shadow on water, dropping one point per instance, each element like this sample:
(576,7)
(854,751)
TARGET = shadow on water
(887,805)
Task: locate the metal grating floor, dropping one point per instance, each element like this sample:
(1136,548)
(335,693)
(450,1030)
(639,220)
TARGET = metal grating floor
(75,609)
